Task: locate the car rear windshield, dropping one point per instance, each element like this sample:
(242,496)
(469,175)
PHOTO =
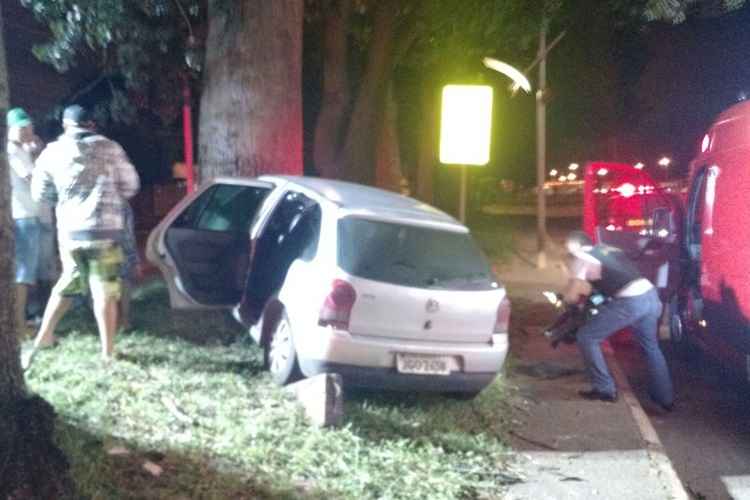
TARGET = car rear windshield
(412,256)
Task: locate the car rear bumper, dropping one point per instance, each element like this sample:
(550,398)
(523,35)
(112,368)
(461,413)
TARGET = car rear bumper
(389,378)
(371,361)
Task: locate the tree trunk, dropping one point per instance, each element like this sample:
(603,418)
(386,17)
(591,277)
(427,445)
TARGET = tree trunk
(428,138)
(335,101)
(31,465)
(388,174)
(11,377)
(366,119)
(251,107)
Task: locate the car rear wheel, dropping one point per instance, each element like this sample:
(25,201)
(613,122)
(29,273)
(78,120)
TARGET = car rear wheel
(281,355)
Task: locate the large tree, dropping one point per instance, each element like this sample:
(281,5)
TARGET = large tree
(251,108)
(31,466)
(251,112)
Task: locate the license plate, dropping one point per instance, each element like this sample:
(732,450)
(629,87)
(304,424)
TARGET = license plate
(421,364)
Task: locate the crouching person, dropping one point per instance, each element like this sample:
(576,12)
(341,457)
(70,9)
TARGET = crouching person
(634,302)
(88,177)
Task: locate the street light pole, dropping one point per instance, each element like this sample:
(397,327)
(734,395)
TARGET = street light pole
(519,81)
(541,149)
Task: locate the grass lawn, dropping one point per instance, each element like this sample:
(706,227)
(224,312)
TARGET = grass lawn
(189,395)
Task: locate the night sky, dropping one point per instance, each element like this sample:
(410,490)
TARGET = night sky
(653,97)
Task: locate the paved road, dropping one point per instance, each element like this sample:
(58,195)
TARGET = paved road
(707,437)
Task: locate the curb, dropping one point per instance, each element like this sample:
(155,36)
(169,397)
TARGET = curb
(654,446)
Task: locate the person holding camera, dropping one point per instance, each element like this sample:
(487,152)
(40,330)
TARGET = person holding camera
(633,302)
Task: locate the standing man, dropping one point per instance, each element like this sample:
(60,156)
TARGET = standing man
(634,302)
(22,145)
(88,177)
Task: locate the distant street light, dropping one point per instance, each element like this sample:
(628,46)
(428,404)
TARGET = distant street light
(573,166)
(562,178)
(665,162)
(639,166)
(571,177)
(553,172)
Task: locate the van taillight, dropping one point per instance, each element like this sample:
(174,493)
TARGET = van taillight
(338,306)
(503,316)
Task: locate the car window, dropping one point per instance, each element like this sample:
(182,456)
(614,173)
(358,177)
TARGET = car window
(296,218)
(696,206)
(412,256)
(227,208)
(310,223)
(291,233)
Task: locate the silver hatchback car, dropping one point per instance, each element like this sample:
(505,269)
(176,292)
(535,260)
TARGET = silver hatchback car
(330,276)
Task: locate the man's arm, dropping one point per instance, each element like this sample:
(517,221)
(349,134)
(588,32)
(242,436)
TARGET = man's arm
(22,169)
(575,289)
(42,184)
(127,181)
(581,268)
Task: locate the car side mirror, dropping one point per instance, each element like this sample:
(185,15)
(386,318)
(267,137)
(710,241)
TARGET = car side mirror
(663,224)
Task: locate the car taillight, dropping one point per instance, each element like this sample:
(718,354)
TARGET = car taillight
(337,306)
(503,316)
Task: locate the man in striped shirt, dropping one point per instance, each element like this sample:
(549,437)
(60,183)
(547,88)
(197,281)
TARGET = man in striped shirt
(88,178)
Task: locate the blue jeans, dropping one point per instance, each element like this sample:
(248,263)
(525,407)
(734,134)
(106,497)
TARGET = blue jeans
(26,232)
(642,313)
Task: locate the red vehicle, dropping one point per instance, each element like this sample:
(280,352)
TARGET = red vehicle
(712,308)
(697,246)
(624,207)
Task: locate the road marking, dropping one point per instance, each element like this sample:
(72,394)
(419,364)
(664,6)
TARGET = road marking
(654,446)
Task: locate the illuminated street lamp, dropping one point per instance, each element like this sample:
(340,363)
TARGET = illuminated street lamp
(665,162)
(571,176)
(553,172)
(518,78)
(639,166)
(562,178)
(465,131)
(573,167)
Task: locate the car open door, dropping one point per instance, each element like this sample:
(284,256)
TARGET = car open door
(202,246)
(625,208)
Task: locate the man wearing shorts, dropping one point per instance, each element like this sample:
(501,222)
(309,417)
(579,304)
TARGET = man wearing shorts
(88,177)
(21,148)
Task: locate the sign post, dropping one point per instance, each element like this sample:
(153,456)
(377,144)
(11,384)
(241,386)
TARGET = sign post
(465,131)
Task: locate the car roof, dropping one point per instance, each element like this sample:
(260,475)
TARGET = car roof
(365,200)
(738,110)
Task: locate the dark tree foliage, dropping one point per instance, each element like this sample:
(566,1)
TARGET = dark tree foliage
(143,48)
(366,47)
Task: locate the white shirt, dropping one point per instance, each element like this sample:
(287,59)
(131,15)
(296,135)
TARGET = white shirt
(21,167)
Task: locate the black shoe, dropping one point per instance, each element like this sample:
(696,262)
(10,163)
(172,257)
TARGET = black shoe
(594,395)
(667,407)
